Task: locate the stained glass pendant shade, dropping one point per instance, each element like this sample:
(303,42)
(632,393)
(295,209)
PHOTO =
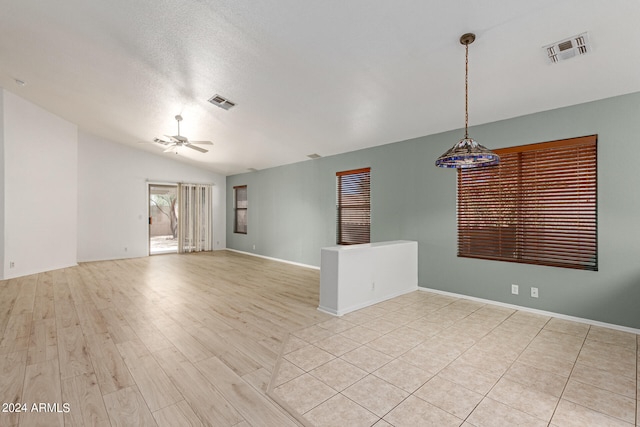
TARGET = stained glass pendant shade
(467,153)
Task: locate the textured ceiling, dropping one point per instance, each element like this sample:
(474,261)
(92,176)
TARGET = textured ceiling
(308,77)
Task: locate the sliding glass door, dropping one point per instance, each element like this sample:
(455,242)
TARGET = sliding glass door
(180,218)
(163,219)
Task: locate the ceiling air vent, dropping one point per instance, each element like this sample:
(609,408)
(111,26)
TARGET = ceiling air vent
(222,102)
(568,48)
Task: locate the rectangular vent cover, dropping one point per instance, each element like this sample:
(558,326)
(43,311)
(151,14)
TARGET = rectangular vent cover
(568,48)
(221,102)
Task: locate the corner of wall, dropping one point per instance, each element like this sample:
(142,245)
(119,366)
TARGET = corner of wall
(34,245)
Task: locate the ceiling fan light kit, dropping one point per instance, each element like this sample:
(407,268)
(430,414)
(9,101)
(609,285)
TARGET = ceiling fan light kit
(467,153)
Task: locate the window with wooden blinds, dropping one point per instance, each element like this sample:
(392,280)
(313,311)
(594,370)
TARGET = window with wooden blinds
(538,206)
(240,209)
(354,206)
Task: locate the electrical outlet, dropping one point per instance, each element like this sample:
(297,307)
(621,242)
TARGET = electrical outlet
(514,289)
(12,264)
(534,292)
(254,247)
(126,249)
(373,286)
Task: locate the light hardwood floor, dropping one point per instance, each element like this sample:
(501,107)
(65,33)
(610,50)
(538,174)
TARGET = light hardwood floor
(179,340)
(171,340)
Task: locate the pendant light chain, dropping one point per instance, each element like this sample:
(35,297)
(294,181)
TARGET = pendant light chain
(466,91)
(467,153)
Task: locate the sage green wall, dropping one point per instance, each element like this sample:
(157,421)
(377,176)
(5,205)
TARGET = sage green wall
(292,212)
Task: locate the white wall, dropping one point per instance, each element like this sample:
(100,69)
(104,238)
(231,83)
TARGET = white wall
(1,183)
(112,197)
(40,188)
(413,200)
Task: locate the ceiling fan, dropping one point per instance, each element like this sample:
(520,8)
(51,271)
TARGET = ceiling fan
(178,140)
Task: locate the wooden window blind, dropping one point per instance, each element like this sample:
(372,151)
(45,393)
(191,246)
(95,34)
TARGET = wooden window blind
(240,209)
(538,206)
(354,206)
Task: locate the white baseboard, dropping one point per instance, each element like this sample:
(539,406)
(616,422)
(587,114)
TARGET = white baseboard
(11,274)
(365,304)
(328,310)
(535,311)
(275,259)
(452,294)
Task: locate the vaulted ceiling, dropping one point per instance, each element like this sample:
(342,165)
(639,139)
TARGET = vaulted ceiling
(321,77)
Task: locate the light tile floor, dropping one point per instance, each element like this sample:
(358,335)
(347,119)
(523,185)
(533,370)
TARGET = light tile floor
(426,359)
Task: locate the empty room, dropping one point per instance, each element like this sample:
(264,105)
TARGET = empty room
(295,213)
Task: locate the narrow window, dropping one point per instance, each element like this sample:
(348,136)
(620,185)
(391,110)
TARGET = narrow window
(240,209)
(539,206)
(353,206)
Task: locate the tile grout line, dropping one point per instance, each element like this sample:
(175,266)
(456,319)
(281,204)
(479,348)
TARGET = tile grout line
(570,373)
(271,387)
(393,359)
(501,376)
(371,373)
(540,330)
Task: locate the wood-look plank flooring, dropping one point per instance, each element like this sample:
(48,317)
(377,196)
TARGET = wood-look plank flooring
(170,340)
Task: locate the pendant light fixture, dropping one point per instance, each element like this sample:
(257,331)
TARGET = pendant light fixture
(467,153)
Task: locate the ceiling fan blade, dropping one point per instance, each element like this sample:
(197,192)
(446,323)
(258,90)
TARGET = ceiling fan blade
(201,142)
(179,138)
(172,138)
(161,141)
(170,148)
(193,147)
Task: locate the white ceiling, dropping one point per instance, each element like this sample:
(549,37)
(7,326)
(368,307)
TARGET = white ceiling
(308,77)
